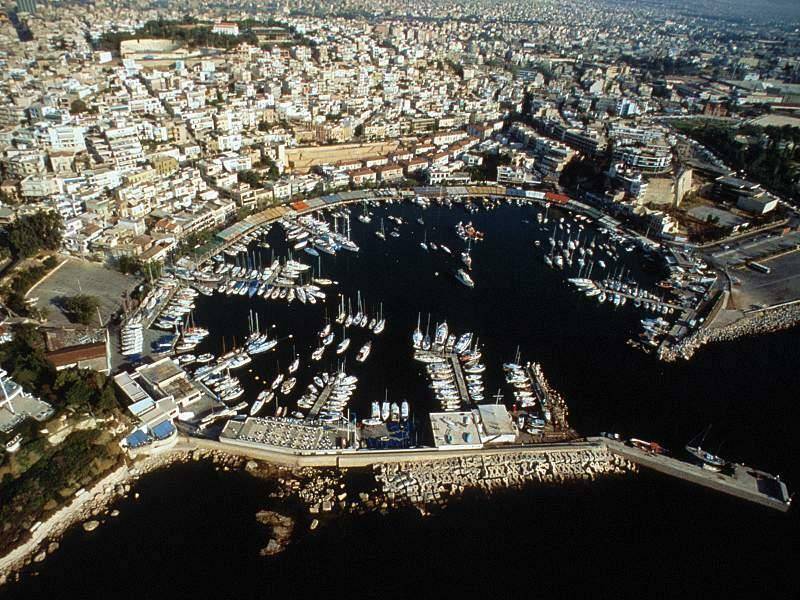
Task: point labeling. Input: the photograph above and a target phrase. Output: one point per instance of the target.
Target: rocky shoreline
(325, 492)
(768, 321)
(92, 507)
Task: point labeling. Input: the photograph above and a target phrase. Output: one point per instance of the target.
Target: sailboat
(364, 216)
(424, 243)
(381, 233)
(295, 363)
(381, 323)
(344, 344)
(416, 337)
(342, 314)
(710, 461)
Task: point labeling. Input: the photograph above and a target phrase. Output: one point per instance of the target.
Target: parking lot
(758, 248)
(753, 289)
(82, 277)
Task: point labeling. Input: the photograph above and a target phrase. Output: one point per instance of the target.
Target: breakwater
(429, 482)
(755, 323)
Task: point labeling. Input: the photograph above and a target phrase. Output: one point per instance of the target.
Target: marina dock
(461, 384)
(744, 482)
(631, 297)
(321, 400)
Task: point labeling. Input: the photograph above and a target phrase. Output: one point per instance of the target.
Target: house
(363, 176)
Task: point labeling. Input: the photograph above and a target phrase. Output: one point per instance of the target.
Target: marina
(444, 370)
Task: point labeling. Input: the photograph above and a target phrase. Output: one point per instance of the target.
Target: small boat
(463, 277)
(363, 353)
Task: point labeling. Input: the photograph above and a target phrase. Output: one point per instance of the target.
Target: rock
(272, 547)
(115, 513)
(52, 547)
(40, 557)
(251, 465)
(314, 525)
(91, 525)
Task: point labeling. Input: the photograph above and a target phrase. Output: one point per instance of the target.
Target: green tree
(81, 308)
(31, 233)
(128, 264)
(77, 107)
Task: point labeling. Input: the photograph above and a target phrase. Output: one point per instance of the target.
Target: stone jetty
(424, 483)
(755, 323)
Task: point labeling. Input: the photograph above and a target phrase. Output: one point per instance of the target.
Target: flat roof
(131, 388)
(455, 429)
(160, 371)
(497, 423)
(284, 433)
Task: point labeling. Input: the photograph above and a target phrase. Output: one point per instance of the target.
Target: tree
(77, 107)
(250, 177)
(128, 264)
(31, 233)
(81, 308)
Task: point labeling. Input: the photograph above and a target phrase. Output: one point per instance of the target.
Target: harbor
(302, 309)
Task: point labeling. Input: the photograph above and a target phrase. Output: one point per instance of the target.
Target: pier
(461, 384)
(744, 482)
(321, 400)
(659, 303)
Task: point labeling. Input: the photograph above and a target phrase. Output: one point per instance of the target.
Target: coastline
(761, 323)
(91, 507)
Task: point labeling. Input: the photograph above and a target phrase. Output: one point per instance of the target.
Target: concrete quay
(743, 483)
(349, 458)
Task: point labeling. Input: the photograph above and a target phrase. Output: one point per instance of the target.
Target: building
(78, 348)
(455, 430)
(225, 28)
(748, 196)
(496, 424)
(27, 6)
(16, 404)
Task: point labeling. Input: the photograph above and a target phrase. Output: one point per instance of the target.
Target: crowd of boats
(452, 364)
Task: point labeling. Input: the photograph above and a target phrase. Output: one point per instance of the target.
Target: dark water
(193, 534)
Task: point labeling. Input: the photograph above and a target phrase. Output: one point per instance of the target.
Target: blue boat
(311, 251)
(253, 288)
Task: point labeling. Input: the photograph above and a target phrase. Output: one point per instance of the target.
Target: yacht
(462, 276)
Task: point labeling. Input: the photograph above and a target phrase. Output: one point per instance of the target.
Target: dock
(461, 384)
(744, 482)
(321, 400)
(659, 303)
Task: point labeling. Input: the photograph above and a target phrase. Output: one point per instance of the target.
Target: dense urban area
(147, 147)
